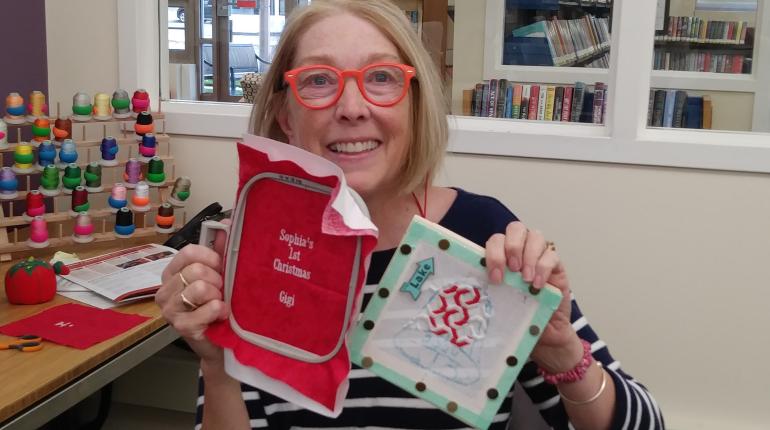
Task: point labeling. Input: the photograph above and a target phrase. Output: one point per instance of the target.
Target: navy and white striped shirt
(374, 403)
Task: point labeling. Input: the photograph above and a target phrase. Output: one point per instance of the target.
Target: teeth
(354, 147)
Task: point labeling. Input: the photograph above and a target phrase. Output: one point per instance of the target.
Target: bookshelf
(557, 33)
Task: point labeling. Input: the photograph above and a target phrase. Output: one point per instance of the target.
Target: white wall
(82, 49)
(668, 264)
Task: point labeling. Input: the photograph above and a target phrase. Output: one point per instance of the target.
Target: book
(680, 99)
(492, 101)
(566, 110)
(525, 95)
(650, 104)
(658, 107)
(707, 112)
(467, 102)
(407, 337)
(516, 108)
(557, 103)
(502, 93)
(598, 103)
(123, 276)
(534, 101)
(693, 113)
(668, 110)
(542, 97)
(550, 94)
(577, 101)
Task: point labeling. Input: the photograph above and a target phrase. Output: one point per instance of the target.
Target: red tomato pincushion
(32, 281)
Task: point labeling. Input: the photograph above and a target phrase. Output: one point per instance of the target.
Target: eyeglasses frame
(290, 77)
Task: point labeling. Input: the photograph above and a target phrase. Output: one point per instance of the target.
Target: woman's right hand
(195, 272)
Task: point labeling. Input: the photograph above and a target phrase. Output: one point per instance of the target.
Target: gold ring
(187, 303)
(184, 281)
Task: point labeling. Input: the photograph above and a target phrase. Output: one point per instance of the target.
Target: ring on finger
(548, 245)
(184, 281)
(190, 306)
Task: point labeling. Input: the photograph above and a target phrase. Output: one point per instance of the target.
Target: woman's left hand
(527, 251)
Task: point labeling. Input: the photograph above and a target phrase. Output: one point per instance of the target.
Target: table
(37, 386)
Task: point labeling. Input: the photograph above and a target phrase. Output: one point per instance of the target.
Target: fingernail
(496, 276)
(538, 282)
(526, 274)
(513, 264)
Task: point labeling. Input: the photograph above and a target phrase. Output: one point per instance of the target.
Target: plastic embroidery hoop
(234, 231)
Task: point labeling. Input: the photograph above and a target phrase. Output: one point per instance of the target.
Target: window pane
(557, 33)
(703, 49)
(176, 28)
(207, 17)
(549, 62)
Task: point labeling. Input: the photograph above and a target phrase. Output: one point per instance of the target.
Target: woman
(351, 82)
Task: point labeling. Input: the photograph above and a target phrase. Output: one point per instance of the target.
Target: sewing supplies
(102, 109)
(164, 220)
(8, 184)
(121, 104)
(36, 107)
(81, 107)
(68, 153)
(143, 125)
(79, 201)
(46, 154)
(35, 205)
(82, 231)
(71, 178)
(38, 233)
(117, 197)
(49, 181)
(140, 201)
(140, 102)
(14, 109)
(109, 149)
(147, 147)
(93, 177)
(155, 173)
(180, 192)
(133, 173)
(41, 129)
(124, 223)
(23, 159)
(62, 129)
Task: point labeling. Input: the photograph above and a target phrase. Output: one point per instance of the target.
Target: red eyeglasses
(320, 86)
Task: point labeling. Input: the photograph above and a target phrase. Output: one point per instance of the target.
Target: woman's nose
(352, 105)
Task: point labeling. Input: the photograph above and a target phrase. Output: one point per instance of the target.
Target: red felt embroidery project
(296, 265)
(74, 325)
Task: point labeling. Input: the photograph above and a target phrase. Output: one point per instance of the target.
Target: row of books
(701, 30)
(500, 98)
(554, 4)
(569, 40)
(701, 62)
(414, 17)
(675, 108)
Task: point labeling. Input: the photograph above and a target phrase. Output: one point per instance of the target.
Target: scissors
(25, 343)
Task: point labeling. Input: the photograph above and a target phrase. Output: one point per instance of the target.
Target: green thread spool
(49, 181)
(71, 178)
(155, 174)
(23, 155)
(93, 177)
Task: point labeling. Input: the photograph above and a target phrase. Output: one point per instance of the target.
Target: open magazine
(123, 276)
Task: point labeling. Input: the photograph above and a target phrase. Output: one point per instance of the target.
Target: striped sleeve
(251, 398)
(635, 408)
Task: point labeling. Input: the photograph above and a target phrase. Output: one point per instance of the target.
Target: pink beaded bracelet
(573, 375)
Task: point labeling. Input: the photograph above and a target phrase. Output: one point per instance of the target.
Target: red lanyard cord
(424, 207)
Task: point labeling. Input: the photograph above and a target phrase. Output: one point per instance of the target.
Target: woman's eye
(381, 77)
(319, 80)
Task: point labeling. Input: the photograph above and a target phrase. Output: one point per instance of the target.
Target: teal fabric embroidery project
(438, 329)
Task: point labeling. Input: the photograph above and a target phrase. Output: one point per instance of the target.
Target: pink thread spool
(38, 233)
(118, 197)
(35, 205)
(83, 230)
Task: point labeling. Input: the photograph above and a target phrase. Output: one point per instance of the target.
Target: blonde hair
(429, 111)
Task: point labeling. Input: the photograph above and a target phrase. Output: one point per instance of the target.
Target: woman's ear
(283, 122)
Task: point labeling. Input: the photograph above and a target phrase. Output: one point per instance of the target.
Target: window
(229, 51)
(710, 47)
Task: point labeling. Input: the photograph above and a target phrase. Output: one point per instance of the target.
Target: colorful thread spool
(140, 102)
(109, 149)
(79, 201)
(81, 107)
(46, 154)
(121, 104)
(38, 233)
(35, 205)
(71, 178)
(143, 125)
(41, 129)
(83, 230)
(37, 107)
(133, 173)
(124, 222)
(68, 153)
(117, 197)
(155, 174)
(147, 147)
(164, 220)
(9, 185)
(49, 181)
(180, 192)
(102, 109)
(3, 135)
(62, 129)
(93, 177)
(140, 201)
(15, 110)
(23, 158)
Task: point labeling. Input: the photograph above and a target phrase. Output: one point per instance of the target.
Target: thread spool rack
(87, 136)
